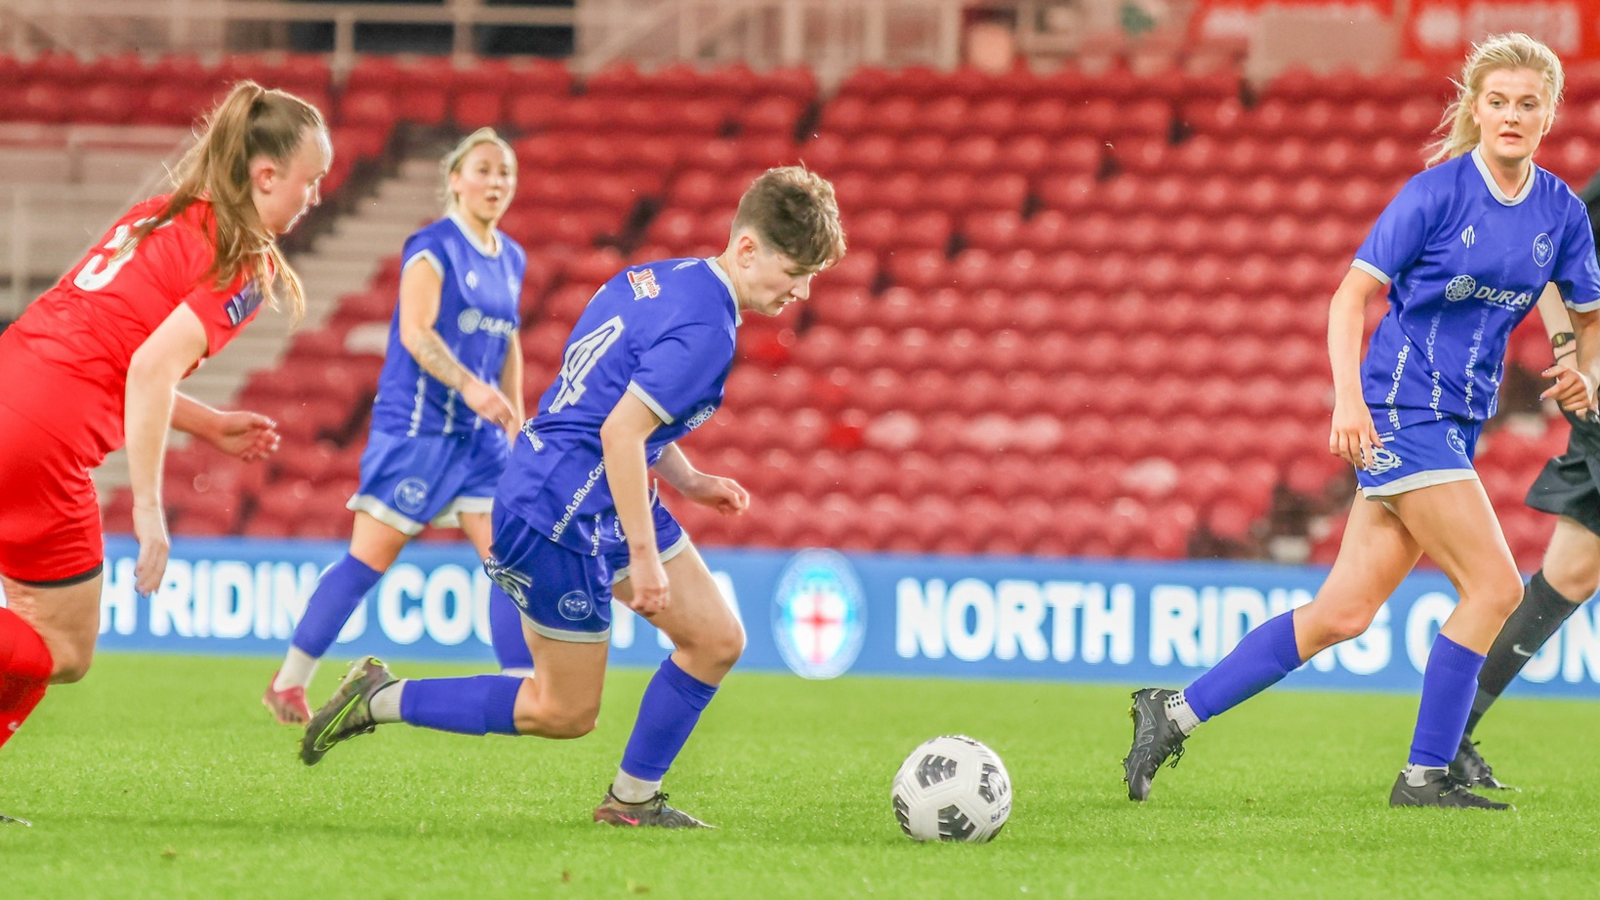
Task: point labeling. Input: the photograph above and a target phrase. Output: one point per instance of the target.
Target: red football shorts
(49, 513)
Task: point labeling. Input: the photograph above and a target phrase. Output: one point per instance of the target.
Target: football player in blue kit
(576, 522)
(1465, 249)
(449, 400)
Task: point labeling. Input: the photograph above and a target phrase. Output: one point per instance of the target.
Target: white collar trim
(466, 231)
(716, 269)
(1494, 188)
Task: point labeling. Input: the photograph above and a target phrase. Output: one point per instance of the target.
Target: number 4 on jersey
(580, 360)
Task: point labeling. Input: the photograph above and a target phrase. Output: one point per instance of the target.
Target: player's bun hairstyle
(250, 122)
(1498, 51)
(793, 209)
(452, 161)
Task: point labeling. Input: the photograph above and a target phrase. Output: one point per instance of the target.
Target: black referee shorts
(1569, 486)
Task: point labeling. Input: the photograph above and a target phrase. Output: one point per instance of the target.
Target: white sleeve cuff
(427, 255)
(647, 400)
(1370, 269)
(1590, 306)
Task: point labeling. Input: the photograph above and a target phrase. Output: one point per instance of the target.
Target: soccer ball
(952, 788)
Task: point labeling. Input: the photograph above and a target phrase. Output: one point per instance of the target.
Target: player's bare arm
(1574, 372)
(1353, 436)
(420, 287)
(153, 375)
(622, 440)
(721, 494)
(246, 435)
(511, 387)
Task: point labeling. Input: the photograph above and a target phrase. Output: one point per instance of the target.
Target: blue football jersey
(663, 332)
(478, 320)
(1465, 263)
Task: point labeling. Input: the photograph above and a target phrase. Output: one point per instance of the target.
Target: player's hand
(1354, 436)
(150, 527)
(247, 435)
(487, 401)
(649, 581)
(724, 495)
(1573, 390)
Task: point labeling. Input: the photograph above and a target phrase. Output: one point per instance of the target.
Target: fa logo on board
(644, 284)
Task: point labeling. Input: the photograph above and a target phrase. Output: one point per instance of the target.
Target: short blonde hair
(451, 163)
(1499, 51)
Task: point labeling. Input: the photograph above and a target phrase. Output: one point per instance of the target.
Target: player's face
(1513, 113)
(773, 281)
(484, 182)
(283, 192)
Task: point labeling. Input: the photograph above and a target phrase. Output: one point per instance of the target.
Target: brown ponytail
(250, 122)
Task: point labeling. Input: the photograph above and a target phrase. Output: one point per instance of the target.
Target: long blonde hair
(1499, 51)
(451, 163)
(250, 122)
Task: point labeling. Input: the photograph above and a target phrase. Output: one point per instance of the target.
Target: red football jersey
(64, 363)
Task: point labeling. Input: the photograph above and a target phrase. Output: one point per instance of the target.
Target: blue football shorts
(410, 482)
(565, 595)
(1420, 455)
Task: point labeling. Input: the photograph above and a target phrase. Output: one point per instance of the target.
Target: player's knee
(1332, 627)
(566, 725)
(70, 667)
(721, 649)
(1575, 583)
(1503, 593)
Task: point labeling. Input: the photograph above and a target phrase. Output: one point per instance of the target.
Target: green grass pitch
(162, 777)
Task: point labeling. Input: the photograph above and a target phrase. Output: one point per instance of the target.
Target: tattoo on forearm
(436, 359)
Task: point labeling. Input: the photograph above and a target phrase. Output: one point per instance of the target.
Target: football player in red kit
(94, 364)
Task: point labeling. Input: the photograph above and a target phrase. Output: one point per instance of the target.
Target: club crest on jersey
(644, 284)
(1544, 250)
(575, 606)
(410, 495)
(472, 280)
(243, 304)
(1460, 288)
(1469, 237)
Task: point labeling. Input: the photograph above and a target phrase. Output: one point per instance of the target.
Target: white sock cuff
(296, 671)
(386, 703)
(629, 789)
(1181, 714)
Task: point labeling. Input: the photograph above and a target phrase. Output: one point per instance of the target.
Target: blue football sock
(670, 709)
(330, 606)
(482, 704)
(1448, 685)
(505, 631)
(1260, 661)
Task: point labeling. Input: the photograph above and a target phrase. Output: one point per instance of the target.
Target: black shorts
(1569, 485)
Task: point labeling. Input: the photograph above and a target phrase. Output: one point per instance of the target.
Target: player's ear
(745, 247)
(262, 172)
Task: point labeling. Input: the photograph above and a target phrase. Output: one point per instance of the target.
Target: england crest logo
(819, 614)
